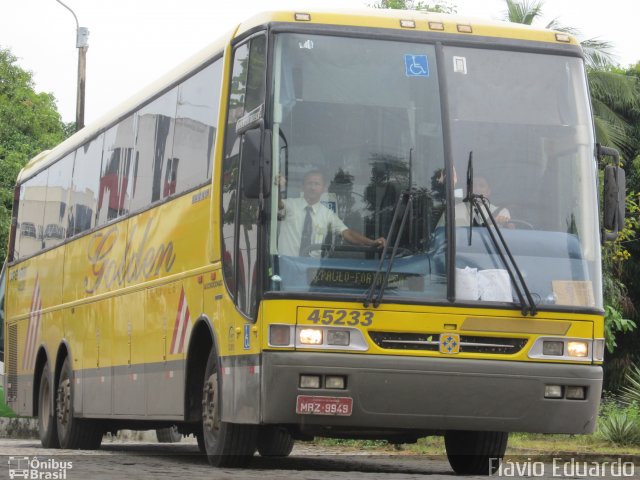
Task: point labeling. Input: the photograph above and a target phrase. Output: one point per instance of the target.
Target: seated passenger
(481, 186)
(500, 214)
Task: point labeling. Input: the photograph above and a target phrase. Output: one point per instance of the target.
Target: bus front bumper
(431, 394)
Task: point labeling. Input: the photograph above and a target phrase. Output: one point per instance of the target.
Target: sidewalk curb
(18, 427)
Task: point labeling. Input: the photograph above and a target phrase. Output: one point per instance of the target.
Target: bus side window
(56, 208)
(29, 236)
(153, 150)
(85, 187)
(117, 153)
(195, 130)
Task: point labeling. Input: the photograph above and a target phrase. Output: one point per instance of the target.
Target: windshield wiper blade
(476, 203)
(528, 308)
(404, 198)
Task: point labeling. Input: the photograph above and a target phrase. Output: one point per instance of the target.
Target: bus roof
(366, 18)
(391, 19)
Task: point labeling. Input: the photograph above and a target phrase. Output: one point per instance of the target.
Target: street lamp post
(82, 44)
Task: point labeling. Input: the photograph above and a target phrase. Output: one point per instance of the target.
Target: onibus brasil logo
(40, 469)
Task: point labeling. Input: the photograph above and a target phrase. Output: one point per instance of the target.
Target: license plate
(310, 405)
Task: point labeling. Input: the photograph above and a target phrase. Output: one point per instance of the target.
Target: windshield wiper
(477, 202)
(405, 198)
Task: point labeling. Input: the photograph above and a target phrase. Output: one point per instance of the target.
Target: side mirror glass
(255, 161)
(614, 200)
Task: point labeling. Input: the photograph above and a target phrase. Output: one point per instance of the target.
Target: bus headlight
(553, 348)
(280, 335)
(567, 349)
(338, 337)
(330, 338)
(311, 336)
(577, 349)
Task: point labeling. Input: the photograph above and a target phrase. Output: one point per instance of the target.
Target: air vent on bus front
(431, 342)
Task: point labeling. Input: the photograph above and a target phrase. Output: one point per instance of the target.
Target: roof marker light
(407, 24)
(465, 28)
(436, 25)
(302, 17)
(563, 37)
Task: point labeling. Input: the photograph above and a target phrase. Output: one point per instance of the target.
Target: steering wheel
(328, 248)
(400, 252)
(519, 224)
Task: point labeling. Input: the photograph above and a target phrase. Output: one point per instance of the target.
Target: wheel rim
(64, 402)
(210, 413)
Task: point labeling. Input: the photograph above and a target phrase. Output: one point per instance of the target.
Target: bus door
(240, 235)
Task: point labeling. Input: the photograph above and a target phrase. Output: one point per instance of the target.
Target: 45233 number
(341, 317)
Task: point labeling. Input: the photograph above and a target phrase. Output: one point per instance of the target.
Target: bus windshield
(358, 123)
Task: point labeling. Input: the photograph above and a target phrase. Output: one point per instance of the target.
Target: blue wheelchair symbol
(247, 336)
(416, 65)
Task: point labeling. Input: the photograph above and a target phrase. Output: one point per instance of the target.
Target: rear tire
(168, 435)
(475, 453)
(73, 433)
(274, 441)
(47, 411)
(200, 439)
(226, 444)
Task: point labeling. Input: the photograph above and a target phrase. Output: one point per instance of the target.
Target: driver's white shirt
(292, 221)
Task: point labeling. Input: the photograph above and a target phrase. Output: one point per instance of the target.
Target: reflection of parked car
(53, 230)
(28, 229)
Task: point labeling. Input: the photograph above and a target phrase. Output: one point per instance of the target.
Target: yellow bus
(377, 224)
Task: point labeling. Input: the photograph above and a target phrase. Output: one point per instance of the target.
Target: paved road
(139, 460)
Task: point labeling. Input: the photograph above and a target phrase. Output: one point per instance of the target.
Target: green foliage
(614, 324)
(29, 123)
(631, 391)
(616, 102)
(620, 428)
(618, 424)
(523, 11)
(437, 6)
(5, 411)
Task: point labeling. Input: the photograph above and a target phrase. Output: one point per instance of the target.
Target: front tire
(274, 441)
(73, 433)
(475, 453)
(226, 444)
(47, 411)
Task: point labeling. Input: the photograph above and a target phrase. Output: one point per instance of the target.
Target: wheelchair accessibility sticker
(247, 336)
(416, 65)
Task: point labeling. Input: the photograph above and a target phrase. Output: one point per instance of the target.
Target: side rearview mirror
(255, 161)
(614, 196)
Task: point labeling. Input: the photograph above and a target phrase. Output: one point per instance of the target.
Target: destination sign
(333, 277)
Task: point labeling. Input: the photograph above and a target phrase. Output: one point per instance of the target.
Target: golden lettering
(138, 262)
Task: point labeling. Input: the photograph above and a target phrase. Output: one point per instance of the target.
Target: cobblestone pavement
(139, 460)
(143, 460)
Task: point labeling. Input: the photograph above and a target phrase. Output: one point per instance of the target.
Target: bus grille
(431, 342)
(12, 363)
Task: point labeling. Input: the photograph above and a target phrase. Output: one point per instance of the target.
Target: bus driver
(305, 221)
